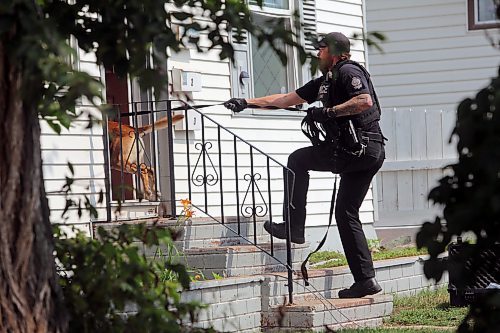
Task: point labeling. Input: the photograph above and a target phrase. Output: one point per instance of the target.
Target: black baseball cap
(336, 42)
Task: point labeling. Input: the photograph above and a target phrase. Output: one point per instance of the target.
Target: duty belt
(372, 136)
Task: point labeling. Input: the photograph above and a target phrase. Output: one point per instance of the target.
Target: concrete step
(206, 232)
(334, 313)
(211, 247)
(402, 276)
(242, 260)
(200, 233)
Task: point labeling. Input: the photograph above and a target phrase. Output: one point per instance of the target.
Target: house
(221, 171)
(437, 54)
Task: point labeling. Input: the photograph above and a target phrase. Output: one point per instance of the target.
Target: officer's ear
(345, 56)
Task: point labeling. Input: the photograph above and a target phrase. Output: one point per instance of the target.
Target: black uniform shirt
(351, 81)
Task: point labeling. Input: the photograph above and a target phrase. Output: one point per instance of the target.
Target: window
(257, 71)
(268, 74)
(482, 14)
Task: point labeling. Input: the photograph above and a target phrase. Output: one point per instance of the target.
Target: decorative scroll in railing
(224, 176)
(253, 209)
(206, 177)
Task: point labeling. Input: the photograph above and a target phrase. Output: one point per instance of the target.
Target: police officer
(352, 147)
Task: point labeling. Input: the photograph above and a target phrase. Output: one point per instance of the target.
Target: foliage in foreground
(470, 194)
(104, 278)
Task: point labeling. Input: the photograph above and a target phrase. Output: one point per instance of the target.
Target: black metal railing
(208, 164)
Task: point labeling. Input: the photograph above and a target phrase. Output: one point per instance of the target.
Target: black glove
(236, 104)
(317, 114)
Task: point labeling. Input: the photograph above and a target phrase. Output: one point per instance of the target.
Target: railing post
(204, 153)
(122, 163)
(288, 235)
(153, 144)
(140, 194)
(270, 203)
(237, 187)
(252, 179)
(186, 122)
(171, 159)
(220, 172)
(107, 173)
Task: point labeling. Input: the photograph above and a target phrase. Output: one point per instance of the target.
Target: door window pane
(269, 74)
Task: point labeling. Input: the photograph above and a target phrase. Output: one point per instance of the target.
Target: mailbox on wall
(193, 119)
(185, 81)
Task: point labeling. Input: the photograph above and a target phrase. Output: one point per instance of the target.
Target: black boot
(361, 288)
(279, 231)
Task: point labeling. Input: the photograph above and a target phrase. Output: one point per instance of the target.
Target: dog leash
(303, 267)
(251, 106)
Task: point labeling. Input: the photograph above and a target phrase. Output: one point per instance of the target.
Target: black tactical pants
(356, 174)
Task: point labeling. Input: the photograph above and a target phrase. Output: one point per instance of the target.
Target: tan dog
(129, 151)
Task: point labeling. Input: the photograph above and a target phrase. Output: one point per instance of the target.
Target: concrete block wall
(233, 304)
(405, 276)
(247, 304)
(240, 260)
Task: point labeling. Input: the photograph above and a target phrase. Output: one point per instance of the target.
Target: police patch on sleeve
(356, 83)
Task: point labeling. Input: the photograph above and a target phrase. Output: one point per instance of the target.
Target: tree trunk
(30, 297)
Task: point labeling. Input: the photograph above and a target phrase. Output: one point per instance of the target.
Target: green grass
(430, 308)
(336, 259)
(395, 330)
(332, 256)
(426, 312)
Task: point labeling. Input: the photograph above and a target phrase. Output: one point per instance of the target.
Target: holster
(351, 139)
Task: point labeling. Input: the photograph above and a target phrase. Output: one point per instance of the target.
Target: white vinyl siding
(431, 60)
(345, 17)
(84, 149)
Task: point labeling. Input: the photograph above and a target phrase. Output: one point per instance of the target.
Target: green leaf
(69, 203)
(55, 127)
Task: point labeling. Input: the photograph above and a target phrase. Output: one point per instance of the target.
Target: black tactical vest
(337, 133)
(329, 86)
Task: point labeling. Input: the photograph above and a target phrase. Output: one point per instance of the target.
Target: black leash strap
(252, 106)
(187, 106)
(303, 268)
(312, 131)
